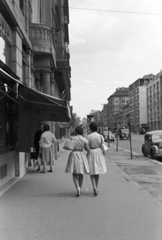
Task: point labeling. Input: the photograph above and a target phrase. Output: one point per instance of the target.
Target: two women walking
(94, 163)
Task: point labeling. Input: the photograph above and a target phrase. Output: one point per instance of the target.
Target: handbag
(69, 145)
(104, 147)
(33, 155)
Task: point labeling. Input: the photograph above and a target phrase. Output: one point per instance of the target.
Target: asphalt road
(137, 141)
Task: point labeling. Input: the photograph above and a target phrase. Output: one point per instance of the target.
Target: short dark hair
(46, 127)
(93, 126)
(79, 130)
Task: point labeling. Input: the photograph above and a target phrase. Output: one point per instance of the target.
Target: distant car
(109, 135)
(124, 133)
(152, 146)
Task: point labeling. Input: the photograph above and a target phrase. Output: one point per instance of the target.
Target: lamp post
(108, 132)
(130, 136)
(117, 136)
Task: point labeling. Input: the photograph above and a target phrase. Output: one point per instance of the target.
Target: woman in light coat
(47, 138)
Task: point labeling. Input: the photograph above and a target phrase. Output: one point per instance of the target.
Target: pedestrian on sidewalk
(77, 163)
(96, 159)
(47, 138)
(37, 137)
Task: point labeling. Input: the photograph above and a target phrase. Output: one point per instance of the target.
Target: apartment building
(115, 104)
(34, 77)
(154, 102)
(137, 103)
(122, 117)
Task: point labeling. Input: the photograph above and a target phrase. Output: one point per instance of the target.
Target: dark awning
(64, 124)
(33, 108)
(6, 71)
(51, 108)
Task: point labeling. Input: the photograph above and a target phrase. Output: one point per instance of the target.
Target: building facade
(137, 103)
(115, 104)
(154, 102)
(122, 117)
(35, 59)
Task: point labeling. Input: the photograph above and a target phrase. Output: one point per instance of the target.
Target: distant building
(137, 103)
(115, 104)
(154, 102)
(122, 117)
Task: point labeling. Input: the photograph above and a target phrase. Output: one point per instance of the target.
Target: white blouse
(95, 140)
(46, 140)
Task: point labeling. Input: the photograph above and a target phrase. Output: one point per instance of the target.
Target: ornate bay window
(38, 14)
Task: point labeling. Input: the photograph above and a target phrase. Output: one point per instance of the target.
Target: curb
(136, 154)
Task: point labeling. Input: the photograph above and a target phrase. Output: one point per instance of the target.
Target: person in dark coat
(37, 138)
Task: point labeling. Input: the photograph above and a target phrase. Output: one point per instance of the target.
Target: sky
(111, 48)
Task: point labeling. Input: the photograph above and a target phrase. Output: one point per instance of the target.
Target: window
(38, 7)
(116, 101)
(116, 108)
(123, 100)
(154, 87)
(150, 89)
(22, 7)
(5, 52)
(7, 134)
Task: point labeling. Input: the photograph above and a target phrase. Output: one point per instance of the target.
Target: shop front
(22, 109)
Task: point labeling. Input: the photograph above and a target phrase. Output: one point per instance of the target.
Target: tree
(75, 121)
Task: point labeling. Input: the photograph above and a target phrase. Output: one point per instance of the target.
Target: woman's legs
(50, 164)
(93, 181)
(76, 182)
(44, 166)
(97, 180)
(80, 180)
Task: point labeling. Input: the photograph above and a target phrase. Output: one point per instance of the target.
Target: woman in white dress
(96, 159)
(77, 163)
(46, 140)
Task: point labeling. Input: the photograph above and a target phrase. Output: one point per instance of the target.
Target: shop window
(7, 134)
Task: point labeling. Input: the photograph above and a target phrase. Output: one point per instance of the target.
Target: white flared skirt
(96, 161)
(77, 163)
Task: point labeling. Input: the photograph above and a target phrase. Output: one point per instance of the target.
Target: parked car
(124, 133)
(152, 146)
(109, 135)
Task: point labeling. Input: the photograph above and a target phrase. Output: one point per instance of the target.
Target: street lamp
(107, 126)
(108, 132)
(130, 136)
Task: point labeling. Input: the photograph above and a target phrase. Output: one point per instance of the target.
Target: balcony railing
(41, 38)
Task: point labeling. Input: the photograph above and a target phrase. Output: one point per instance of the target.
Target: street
(137, 141)
(44, 206)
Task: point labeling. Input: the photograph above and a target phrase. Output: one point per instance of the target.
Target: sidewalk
(142, 172)
(44, 207)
